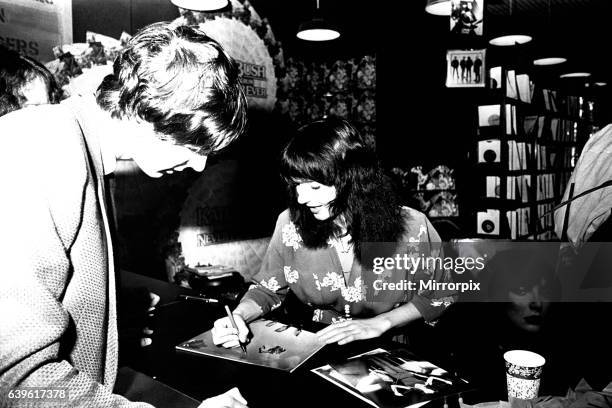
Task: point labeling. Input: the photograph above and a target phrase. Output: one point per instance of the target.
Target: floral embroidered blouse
(317, 279)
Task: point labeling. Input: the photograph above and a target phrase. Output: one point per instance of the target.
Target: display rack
(528, 141)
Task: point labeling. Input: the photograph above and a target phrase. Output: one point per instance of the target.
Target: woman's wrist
(399, 316)
(383, 323)
(248, 310)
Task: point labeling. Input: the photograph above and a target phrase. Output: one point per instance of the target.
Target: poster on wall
(249, 39)
(34, 27)
(256, 66)
(466, 17)
(465, 68)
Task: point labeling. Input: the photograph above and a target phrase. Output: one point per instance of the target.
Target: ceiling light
(317, 29)
(510, 40)
(201, 5)
(549, 48)
(504, 32)
(597, 84)
(438, 7)
(549, 61)
(575, 75)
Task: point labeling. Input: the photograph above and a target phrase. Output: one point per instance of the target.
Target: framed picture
(466, 17)
(465, 69)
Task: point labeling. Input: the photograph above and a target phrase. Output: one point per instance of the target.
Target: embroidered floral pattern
(342, 245)
(333, 279)
(432, 323)
(414, 242)
(413, 246)
(445, 301)
(271, 285)
(291, 276)
(276, 306)
(422, 231)
(317, 315)
(291, 238)
(353, 293)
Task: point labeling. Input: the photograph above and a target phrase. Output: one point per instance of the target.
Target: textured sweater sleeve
(36, 331)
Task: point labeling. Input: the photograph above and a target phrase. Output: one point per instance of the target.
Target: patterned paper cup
(523, 372)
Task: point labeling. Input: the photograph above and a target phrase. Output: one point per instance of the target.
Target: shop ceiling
(540, 7)
(578, 28)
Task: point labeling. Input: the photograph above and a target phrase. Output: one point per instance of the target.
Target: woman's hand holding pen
(224, 334)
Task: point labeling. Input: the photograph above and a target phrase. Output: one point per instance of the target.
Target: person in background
(455, 68)
(523, 285)
(468, 69)
(339, 199)
(516, 311)
(173, 98)
(24, 82)
(477, 69)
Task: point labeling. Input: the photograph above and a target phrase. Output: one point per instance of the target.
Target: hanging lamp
(201, 5)
(438, 7)
(575, 74)
(506, 34)
(317, 29)
(550, 54)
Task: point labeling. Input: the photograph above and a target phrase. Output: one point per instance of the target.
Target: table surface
(201, 377)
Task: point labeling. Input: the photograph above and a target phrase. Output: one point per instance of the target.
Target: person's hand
(229, 399)
(224, 334)
(146, 340)
(350, 330)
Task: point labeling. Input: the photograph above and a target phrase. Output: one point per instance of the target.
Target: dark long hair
(332, 152)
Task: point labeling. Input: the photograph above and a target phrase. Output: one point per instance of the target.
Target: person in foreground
(173, 98)
(339, 200)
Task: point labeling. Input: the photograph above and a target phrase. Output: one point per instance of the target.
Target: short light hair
(182, 82)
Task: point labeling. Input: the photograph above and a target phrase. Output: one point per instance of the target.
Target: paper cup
(523, 372)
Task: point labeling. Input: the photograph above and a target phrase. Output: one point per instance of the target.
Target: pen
(201, 299)
(235, 326)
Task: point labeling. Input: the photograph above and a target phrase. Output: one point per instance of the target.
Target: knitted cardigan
(58, 325)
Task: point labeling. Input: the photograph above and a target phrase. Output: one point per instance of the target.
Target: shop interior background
(417, 120)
